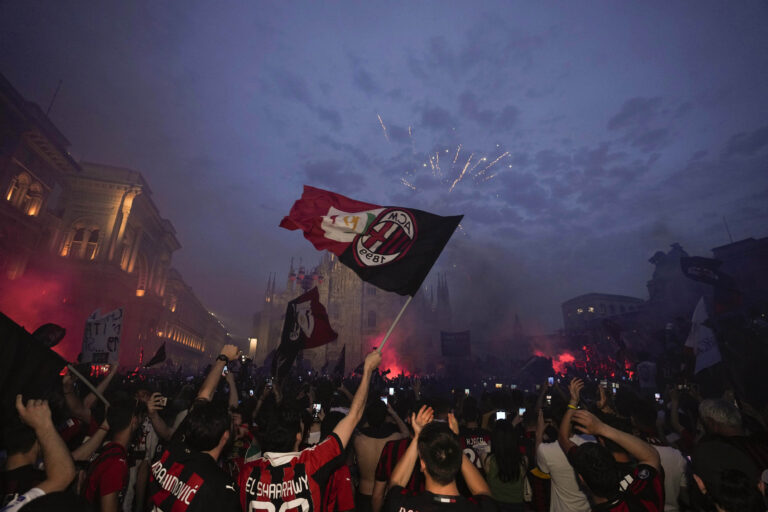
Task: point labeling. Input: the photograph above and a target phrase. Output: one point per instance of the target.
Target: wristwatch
(222, 357)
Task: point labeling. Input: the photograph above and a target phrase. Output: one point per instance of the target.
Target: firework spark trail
(492, 164)
(407, 184)
(463, 172)
(461, 228)
(489, 178)
(458, 148)
(383, 127)
(437, 163)
(476, 164)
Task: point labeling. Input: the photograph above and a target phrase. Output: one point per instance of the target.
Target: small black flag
(341, 363)
(159, 357)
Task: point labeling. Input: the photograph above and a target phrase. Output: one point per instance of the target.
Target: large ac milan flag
(306, 326)
(389, 246)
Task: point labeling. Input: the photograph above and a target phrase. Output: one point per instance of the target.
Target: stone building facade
(361, 314)
(76, 237)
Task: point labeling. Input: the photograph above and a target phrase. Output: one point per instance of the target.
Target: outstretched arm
(234, 399)
(346, 426)
(59, 468)
(475, 481)
(212, 379)
(404, 467)
(636, 447)
(73, 401)
(85, 450)
(564, 437)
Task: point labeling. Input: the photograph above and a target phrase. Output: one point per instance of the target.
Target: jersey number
(285, 507)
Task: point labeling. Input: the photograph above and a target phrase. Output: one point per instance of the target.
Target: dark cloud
(437, 118)
(291, 86)
(398, 134)
(487, 118)
(747, 144)
(362, 78)
(650, 140)
(332, 174)
(332, 117)
(635, 111)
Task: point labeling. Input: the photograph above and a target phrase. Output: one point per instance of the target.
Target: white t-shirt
(23, 499)
(566, 495)
(674, 465)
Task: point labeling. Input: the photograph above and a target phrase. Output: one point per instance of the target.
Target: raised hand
(36, 413)
(575, 388)
(231, 351)
(419, 420)
(372, 361)
(154, 403)
(453, 424)
(587, 422)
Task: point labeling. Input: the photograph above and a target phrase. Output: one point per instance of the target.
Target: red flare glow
(559, 361)
(390, 360)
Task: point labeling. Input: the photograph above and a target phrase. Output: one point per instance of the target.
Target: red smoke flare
(390, 359)
(559, 361)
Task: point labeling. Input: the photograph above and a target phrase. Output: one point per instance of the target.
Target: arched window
(77, 243)
(92, 245)
(126, 247)
(18, 188)
(371, 319)
(33, 200)
(143, 271)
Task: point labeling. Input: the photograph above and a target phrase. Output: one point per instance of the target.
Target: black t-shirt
(183, 479)
(401, 499)
(16, 482)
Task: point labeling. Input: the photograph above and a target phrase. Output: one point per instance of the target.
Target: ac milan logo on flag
(387, 238)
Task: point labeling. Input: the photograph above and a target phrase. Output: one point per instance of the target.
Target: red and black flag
(306, 326)
(389, 246)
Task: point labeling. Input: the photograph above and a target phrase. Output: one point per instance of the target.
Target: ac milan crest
(387, 238)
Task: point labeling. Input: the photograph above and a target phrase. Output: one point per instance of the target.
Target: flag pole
(87, 383)
(397, 319)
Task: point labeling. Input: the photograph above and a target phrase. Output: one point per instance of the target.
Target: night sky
(619, 128)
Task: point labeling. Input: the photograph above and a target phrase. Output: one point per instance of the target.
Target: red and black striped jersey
(283, 482)
(393, 451)
(183, 480)
(339, 493)
(641, 490)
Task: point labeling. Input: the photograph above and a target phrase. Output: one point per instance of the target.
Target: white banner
(101, 340)
(702, 340)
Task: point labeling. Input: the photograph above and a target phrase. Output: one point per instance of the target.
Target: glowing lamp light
(139, 293)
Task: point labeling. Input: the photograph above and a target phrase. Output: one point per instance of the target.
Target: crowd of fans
(228, 441)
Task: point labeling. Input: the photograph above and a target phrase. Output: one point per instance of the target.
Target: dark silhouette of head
(596, 468)
(440, 452)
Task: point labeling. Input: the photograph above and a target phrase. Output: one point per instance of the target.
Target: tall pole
(55, 93)
(397, 319)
